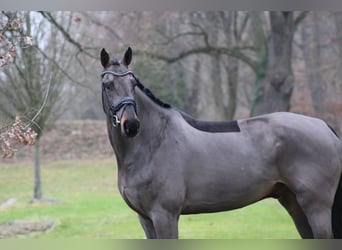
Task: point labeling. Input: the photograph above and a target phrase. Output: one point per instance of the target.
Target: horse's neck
(116, 140)
(153, 121)
(149, 113)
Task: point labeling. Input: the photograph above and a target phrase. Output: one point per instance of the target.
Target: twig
(235, 52)
(66, 35)
(32, 121)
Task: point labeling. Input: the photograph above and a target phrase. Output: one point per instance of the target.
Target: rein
(127, 100)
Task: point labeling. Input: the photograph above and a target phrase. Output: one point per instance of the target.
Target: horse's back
(290, 126)
(304, 131)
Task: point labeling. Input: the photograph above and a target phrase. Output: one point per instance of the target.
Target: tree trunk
(311, 51)
(215, 106)
(231, 65)
(338, 24)
(37, 193)
(233, 77)
(260, 42)
(192, 93)
(216, 84)
(274, 91)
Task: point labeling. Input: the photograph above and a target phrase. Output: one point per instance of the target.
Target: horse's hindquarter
(306, 141)
(310, 152)
(306, 156)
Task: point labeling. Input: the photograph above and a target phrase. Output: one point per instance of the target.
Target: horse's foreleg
(148, 227)
(165, 224)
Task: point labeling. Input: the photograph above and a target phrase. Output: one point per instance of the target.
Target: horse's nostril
(131, 127)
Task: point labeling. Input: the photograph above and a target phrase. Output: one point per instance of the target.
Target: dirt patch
(19, 228)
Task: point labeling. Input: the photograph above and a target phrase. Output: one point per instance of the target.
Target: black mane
(147, 92)
(152, 96)
(207, 126)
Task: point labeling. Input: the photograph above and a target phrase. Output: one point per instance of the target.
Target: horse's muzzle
(129, 122)
(131, 127)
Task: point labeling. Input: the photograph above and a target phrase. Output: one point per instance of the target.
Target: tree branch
(101, 24)
(61, 69)
(66, 35)
(243, 27)
(234, 52)
(180, 35)
(32, 121)
(203, 32)
(300, 17)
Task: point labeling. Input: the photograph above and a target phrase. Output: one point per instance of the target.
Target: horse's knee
(148, 227)
(165, 225)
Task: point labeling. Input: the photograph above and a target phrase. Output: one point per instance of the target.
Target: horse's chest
(136, 200)
(135, 193)
(130, 198)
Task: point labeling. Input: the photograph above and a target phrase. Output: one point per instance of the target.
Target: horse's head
(118, 85)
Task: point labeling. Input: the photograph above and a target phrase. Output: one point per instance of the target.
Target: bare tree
(11, 36)
(10, 39)
(184, 78)
(275, 87)
(271, 60)
(192, 50)
(234, 24)
(36, 72)
(201, 41)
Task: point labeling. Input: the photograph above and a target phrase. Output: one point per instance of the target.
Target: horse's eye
(107, 85)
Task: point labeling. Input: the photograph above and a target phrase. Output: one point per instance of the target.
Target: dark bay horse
(171, 164)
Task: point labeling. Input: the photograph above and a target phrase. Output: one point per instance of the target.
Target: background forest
(215, 65)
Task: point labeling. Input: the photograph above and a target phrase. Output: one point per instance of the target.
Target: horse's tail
(336, 213)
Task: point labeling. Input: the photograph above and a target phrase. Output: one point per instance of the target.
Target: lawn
(83, 201)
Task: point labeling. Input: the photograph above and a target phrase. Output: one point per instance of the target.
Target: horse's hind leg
(319, 217)
(316, 206)
(148, 227)
(289, 201)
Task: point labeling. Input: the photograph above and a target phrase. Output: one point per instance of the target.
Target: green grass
(90, 207)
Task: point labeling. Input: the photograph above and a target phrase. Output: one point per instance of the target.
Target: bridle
(127, 100)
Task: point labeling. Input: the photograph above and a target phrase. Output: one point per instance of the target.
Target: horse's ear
(127, 57)
(104, 58)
